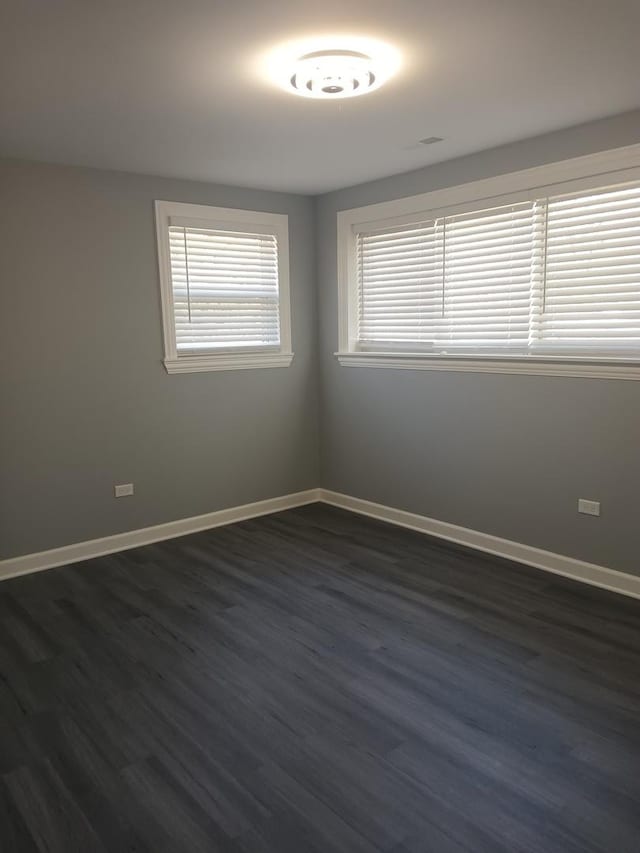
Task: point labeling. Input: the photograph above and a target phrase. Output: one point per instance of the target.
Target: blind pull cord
(544, 255)
(186, 266)
(444, 261)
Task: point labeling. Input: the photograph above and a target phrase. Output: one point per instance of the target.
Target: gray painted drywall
(506, 455)
(85, 399)
(86, 402)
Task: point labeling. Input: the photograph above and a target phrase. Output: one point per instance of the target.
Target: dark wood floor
(313, 682)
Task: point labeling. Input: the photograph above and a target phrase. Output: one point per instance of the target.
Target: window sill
(530, 365)
(227, 361)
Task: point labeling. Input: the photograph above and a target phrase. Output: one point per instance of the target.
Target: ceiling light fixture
(331, 68)
(333, 74)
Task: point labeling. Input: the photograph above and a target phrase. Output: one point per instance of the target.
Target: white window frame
(202, 215)
(581, 173)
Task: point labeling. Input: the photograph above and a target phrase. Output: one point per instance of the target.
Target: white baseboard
(557, 563)
(548, 561)
(146, 535)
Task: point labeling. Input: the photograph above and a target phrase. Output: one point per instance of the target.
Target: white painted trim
(228, 361)
(231, 218)
(472, 364)
(145, 536)
(616, 160)
(546, 560)
(617, 165)
(558, 564)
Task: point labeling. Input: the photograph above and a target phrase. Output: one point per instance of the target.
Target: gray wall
(86, 402)
(507, 455)
(85, 399)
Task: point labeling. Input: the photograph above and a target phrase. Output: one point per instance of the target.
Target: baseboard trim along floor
(559, 564)
(146, 535)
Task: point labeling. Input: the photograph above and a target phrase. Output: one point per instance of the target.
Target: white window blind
(400, 284)
(225, 289)
(487, 271)
(592, 292)
(558, 273)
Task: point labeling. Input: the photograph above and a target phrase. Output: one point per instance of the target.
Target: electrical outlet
(123, 490)
(588, 507)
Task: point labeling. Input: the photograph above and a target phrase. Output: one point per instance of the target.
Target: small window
(224, 277)
(523, 282)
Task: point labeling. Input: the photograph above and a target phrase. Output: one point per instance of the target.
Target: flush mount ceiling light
(332, 67)
(333, 74)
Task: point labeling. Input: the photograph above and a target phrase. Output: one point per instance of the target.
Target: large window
(225, 287)
(541, 277)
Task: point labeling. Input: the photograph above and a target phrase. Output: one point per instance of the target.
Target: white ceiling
(173, 88)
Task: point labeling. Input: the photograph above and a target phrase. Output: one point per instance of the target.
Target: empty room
(320, 426)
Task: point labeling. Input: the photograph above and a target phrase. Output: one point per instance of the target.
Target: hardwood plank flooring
(316, 682)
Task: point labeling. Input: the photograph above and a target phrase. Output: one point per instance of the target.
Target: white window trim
(587, 172)
(275, 223)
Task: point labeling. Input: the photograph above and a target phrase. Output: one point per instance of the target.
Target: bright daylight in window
(225, 288)
(553, 277)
